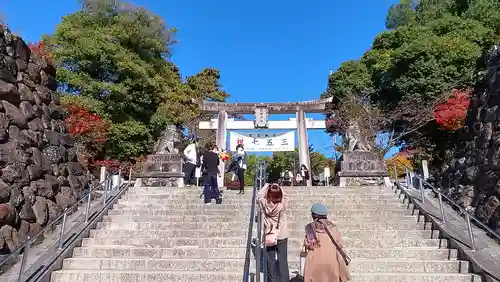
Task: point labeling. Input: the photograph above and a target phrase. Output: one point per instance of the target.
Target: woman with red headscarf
(273, 204)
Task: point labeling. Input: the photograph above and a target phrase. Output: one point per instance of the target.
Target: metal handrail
(106, 184)
(246, 267)
(45, 270)
(260, 229)
(441, 195)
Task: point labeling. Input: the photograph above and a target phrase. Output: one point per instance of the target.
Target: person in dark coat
(210, 168)
(241, 160)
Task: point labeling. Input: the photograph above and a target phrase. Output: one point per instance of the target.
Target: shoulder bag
(346, 258)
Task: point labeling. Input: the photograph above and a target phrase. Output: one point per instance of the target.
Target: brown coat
(325, 264)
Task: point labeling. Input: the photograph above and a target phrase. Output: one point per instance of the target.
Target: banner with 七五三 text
(263, 142)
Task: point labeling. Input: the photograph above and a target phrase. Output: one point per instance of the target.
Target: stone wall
(473, 175)
(40, 175)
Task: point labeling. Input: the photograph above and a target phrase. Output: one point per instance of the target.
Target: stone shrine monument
(359, 166)
(164, 167)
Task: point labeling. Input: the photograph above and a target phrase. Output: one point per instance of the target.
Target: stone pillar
(303, 144)
(425, 169)
(221, 142)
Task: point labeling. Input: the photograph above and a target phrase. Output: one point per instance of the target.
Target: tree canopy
(113, 61)
(430, 48)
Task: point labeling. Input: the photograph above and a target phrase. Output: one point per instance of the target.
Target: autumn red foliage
(112, 166)
(82, 124)
(450, 115)
(89, 132)
(41, 48)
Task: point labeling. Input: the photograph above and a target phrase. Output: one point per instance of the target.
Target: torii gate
(261, 112)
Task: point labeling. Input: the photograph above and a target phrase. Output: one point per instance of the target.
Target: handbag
(346, 258)
(271, 238)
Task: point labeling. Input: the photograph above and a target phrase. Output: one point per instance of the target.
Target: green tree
(282, 161)
(400, 14)
(432, 47)
(115, 58)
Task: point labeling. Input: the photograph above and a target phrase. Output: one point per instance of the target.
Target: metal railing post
(407, 177)
(441, 206)
(469, 229)
(63, 227)
(89, 199)
(130, 175)
(258, 248)
(119, 184)
(20, 277)
(422, 191)
(106, 184)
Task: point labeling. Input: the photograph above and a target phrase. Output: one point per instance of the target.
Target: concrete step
(201, 206)
(287, 189)
(343, 224)
(414, 277)
(224, 217)
(298, 197)
(292, 202)
(241, 242)
(215, 210)
(248, 196)
(234, 253)
(217, 276)
(360, 234)
(226, 265)
(296, 218)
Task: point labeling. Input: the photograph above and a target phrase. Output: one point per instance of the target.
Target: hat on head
(319, 209)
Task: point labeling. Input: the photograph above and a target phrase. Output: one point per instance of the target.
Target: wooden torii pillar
(298, 108)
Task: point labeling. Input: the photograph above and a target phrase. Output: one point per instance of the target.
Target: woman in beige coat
(325, 262)
(273, 203)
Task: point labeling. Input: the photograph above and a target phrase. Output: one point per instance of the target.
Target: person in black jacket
(210, 168)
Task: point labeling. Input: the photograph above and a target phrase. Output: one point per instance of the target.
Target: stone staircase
(386, 243)
(167, 234)
(164, 234)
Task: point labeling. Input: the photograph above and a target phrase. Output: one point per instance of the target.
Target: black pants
(241, 178)
(189, 170)
(211, 189)
(277, 270)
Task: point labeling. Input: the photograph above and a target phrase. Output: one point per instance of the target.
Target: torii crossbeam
(298, 108)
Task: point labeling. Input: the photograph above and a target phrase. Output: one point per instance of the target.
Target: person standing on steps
(298, 180)
(191, 156)
(210, 168)
(273, 204)
(304, 172)
(241, 159)
(325, 260)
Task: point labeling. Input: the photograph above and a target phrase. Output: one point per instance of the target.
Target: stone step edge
(382, 223)
(345, 239)
(243, 248)
(381, 260)
(289, 229)
(389, 209)
(185, 272)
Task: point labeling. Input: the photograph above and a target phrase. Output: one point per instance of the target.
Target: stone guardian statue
(356, 141)
(165, 144)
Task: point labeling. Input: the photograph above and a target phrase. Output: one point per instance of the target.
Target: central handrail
(255, 210)
(246, 267)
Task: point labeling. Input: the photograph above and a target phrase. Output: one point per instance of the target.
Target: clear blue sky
(267, 51)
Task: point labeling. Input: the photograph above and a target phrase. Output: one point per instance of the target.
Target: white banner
(263, 142)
